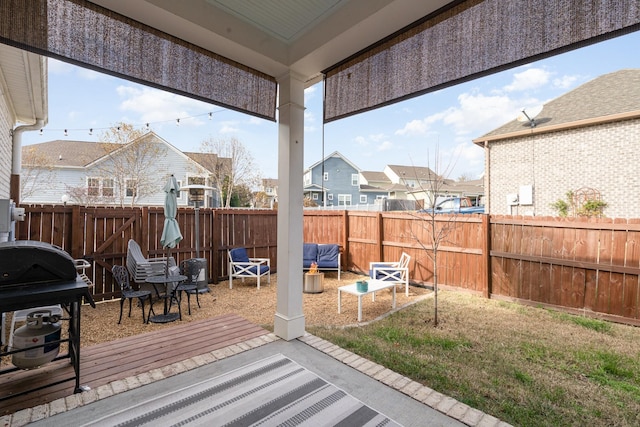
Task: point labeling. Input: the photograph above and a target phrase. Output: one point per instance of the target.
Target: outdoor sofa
(326, 256)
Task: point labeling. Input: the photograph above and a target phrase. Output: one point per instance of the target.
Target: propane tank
(41, 328)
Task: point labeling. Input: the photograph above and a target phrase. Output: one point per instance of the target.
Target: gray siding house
(334, 180)
(585, 141)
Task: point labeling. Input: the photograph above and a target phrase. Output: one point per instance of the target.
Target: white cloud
(414, 127)
(155, 106)
(386, 145)
(377, 137)
(531, 78)
(566, 82)
(361, 140)
(229, 127)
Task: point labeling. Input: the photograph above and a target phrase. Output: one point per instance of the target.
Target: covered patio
(258, 57)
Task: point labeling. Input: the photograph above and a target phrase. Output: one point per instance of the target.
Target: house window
(130, 187)
(326, 176)
(354, 179)
(107, 187)
(363, 199)
(93, 186)
(329, 196)
(314, 196)
(344, 199)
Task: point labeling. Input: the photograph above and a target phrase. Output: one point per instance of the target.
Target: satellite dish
(529, 116)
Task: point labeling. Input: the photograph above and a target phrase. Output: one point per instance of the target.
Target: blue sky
(412, 132)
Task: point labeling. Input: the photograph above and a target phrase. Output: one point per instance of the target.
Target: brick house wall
(605, 157)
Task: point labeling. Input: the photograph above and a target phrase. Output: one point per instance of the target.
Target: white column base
(288, 328)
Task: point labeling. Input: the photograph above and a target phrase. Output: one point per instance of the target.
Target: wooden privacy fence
(587, 266)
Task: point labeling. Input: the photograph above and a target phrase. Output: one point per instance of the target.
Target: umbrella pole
(166, 264)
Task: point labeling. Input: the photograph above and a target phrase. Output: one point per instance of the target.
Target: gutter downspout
(16, 166)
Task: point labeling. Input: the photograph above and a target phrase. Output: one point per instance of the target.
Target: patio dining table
(169, 296)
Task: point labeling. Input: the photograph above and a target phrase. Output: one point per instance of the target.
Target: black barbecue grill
(35, 274)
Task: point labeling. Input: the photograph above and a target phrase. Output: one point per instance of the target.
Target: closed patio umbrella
(171, 234)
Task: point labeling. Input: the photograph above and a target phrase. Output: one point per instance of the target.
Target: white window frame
(127, 187)
(344, 199)
(93, 190)
(314, 196)
(326, 176)
(330, 196)
(112, 187)
(363, 199)
(355, 180)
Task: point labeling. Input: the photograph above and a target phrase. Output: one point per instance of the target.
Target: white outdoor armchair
(392, 271)
(240, 265)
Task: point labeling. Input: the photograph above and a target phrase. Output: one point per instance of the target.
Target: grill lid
(25, 262)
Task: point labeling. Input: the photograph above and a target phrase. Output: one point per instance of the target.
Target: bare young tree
(35, 168)
(234, 170)
(434, 228)
(130, 159)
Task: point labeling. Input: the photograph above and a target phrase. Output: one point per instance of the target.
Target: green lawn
(527, 366)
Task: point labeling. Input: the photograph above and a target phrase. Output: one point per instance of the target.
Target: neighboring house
(94, 173)
(396, 188)
(269, 188)
(334, 178)
(472, 189)
(584, 140)
(23, 107)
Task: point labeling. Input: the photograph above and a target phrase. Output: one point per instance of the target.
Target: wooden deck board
(103, 363)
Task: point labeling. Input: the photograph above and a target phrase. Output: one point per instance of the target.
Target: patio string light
(146, 125)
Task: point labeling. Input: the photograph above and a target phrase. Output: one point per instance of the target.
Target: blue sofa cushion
(309, 254)
(328, 256)
(239, 255)
(392, 276)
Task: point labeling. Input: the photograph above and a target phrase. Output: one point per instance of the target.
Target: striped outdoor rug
(272, 392)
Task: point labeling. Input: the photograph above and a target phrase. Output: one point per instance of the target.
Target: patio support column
(289, 319)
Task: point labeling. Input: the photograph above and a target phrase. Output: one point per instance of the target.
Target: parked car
(455, 205)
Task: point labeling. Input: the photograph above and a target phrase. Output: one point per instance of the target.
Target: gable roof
(610, 97)
(334, 154)
(59, 153)
(63, 153)
(413, 172)
(375, 176)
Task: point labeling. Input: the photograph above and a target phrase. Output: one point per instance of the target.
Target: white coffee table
(374, 286)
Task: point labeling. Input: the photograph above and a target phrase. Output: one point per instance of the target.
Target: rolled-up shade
(466, 40)
(88, 35)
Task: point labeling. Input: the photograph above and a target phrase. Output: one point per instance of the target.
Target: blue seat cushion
(239, 255)
(309, 254)
(380, 276)
(328, 256)
(263, 270)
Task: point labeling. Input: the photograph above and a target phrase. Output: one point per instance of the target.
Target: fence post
(486, 255)
(215, 247)
(345, 244)
(143, 230)
(380, 238)
(77, 233)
